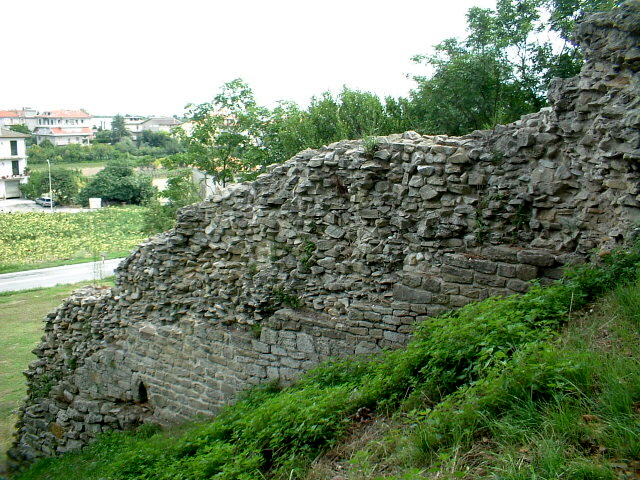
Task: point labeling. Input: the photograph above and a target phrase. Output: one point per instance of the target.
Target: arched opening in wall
(141, 395)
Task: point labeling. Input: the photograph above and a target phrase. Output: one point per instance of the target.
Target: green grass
(40, 167)
(524, 387)
(38, 239)
(21, 316)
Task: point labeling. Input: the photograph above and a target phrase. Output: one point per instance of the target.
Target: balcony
(14, 177)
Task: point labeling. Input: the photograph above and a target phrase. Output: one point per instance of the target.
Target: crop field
(40, 239)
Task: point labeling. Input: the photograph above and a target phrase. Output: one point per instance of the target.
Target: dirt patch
(90, 171)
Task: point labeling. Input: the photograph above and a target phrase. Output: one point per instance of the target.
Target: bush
(65, 184)
(118, 183)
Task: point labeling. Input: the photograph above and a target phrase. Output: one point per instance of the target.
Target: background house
(13, 162)
(25, 116)
(133, 123)
(101, 123)
(63, 127)
(160, 124)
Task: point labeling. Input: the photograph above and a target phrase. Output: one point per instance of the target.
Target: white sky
(155, 56)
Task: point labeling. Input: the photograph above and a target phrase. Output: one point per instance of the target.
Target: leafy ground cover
(40, 239)
(21, 315)
(540, 385)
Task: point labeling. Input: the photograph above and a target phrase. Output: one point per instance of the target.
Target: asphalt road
(49, 277)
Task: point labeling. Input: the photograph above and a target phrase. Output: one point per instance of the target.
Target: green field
(21, 315)
(38, 239)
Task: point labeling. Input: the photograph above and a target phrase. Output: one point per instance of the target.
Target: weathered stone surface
(335, 252)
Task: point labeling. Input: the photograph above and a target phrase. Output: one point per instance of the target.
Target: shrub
(118, 183)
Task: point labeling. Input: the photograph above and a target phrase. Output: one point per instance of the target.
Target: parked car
(46, 202)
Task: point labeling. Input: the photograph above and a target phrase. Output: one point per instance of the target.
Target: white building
(13, 162)
(133, 123)
(101, 123)
(63, 127)
(160, 124)
(25, 116)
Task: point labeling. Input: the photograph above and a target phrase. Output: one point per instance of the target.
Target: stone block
(483, 266)
(507, 270)
(395, 337)
(536, 257)
(456, 275)
(517, 285)
(402, 293)
(501, 254)
(489, 280)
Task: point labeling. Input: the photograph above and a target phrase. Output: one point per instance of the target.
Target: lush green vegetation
(527, 386)
(118, 183)
(495, 75)
(21, 315)
(36, 239)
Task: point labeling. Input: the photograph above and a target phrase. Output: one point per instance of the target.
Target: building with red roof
(64, 127)
(25, 116)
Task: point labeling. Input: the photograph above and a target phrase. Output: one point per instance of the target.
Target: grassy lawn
(38, 239)
(21, 315)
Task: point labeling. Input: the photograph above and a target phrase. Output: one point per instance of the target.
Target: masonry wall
(339, 251)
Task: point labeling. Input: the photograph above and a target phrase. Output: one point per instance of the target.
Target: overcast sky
(155, 56)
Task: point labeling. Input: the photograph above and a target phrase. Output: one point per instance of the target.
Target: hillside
(540, 385)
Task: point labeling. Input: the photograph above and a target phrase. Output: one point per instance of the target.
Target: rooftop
(6, 133)
(65, 114)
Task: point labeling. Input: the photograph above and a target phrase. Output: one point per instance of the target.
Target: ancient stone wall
(340, 250)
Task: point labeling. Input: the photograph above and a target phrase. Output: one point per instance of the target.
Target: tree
(164, 143)
(118, 183)
(361, 114)
(487, 79)
(180, 191)
(288, 131)
(225, 138)
(102, 136)
(118, 129)
(65, 183)
(502, 69)
(563, 15)
(325, 119)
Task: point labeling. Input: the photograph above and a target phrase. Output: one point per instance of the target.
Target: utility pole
(50, 188)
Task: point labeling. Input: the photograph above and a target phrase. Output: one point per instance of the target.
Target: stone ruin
(339, 251)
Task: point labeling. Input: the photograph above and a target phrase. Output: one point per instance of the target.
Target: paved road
(23, 205)
(49, 277)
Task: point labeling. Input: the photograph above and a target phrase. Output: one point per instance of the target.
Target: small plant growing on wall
(306, 254)
(287, 299)
(370, 145)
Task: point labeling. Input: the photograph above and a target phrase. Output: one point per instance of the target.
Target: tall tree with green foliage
(288, 131)
(118, 129)
(502, 69)
(225, 137)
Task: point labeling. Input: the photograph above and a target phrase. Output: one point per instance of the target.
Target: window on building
(15, 167)
(14, 148)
